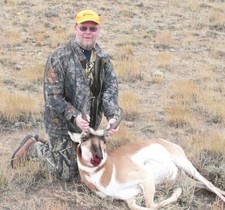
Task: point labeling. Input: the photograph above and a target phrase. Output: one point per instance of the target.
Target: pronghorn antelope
(139, 166)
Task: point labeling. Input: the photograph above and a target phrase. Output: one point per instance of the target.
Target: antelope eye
(84, 138)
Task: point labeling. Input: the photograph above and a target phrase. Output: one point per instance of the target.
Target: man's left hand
(112, 131)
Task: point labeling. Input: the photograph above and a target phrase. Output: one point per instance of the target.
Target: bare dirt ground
(172, 43)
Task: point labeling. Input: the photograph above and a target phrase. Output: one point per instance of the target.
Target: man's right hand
(81, 123)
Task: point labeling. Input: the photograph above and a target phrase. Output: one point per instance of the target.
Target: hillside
(170, 60)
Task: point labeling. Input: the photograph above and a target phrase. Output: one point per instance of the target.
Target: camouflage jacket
(66, 85)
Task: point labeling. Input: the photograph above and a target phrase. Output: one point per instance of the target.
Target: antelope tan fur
(134, 168)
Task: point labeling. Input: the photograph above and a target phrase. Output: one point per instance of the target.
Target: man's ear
(75, 27)
(75, 137)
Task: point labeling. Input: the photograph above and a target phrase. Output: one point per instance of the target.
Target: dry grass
(58, 36)
(165, 59)
(180, 117)
(17, 104)
(164, 38)
(10, 3)
(130, 103)
(190, 102)
(14, 36)
(32, 75)
(217, 15)
(128, 68)
(177, 107)
(218, 205)
(194, 5)
(123, 137)
(213, 142)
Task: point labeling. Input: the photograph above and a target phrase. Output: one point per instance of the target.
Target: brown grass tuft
(32, 75)
(18, 104)
(189, 100)
(193, 4)
(130, 103)
(213, 142)
(123, 137)
(164, 59)
(177, 107)
(218, 205)
(14, 36)
(217, 16)
(128, 67)
(164, 38)
(10, 3)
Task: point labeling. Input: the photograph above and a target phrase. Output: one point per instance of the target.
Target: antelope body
(133, 168)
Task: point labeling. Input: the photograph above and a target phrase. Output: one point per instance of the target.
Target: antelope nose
(99, 156)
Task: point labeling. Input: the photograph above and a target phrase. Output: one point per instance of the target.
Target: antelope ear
(75, 137)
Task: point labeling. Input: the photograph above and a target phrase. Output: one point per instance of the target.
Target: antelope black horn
(84, 108)
(116, 123)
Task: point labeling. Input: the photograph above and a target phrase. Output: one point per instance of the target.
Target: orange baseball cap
(87, 15)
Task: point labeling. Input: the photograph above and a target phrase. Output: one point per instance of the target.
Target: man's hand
(81, 123)
(112, 131)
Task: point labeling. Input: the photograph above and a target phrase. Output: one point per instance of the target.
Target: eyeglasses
(85, 28)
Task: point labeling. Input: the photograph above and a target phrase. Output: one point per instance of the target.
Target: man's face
(87, 34)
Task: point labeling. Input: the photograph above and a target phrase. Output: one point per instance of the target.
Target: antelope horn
(115, 124)
(112, 126)
(84, 108)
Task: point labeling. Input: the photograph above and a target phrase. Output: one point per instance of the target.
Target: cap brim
(88, 19)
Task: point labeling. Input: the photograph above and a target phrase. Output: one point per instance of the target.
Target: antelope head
(91, 148)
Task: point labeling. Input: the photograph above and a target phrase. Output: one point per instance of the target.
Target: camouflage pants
(59, 155)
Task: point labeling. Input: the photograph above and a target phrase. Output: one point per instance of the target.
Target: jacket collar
(99, 52)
